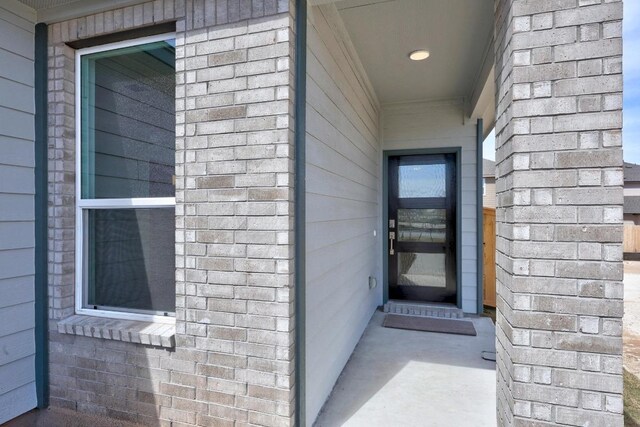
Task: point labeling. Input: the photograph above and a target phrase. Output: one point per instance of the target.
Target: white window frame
(82, 205)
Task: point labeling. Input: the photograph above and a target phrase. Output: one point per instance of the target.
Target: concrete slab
(409, 378)
(631, 320)
(59, 417)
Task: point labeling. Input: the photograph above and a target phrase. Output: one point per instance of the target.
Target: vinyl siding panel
(437, 125)
(17, 371)
(343, 206)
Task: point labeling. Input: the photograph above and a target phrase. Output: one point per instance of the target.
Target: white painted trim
(349, 50)
(127, 315)
(121, 44)
(484, 106)
(79, 275)
(81, 205)
(139, 202)
(484, 74)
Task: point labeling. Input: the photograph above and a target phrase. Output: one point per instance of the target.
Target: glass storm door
(422, 234)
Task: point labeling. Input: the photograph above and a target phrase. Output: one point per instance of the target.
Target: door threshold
(425, 303)
(425, 309)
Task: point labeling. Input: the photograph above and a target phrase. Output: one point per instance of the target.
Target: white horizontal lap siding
(17, 317)
(441, 124)
(342, 209)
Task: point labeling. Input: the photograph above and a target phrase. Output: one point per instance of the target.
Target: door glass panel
(422, 269)
(422, 181)
(422, 225)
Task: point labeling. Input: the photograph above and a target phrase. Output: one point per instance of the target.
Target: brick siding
(559, 196)
(559, 231)
(233, 360)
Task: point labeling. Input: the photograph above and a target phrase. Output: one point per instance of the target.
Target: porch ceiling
(44, 4)
(50, 11)
(457, 33)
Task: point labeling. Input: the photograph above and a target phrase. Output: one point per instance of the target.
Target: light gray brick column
(234, 207)
(559, 231)
(233, 361)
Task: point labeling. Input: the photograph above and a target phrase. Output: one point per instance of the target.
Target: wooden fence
(631, 238)
(489, 251)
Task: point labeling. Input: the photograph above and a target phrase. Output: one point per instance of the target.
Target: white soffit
(45, 4)
(455, 32)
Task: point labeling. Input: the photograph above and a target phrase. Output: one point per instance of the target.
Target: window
(125, 182)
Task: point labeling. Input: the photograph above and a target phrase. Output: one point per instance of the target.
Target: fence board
(631, 238)
(489, 256)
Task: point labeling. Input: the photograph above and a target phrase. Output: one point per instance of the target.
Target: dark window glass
(128, 122)
(422, 225)
(130, 258)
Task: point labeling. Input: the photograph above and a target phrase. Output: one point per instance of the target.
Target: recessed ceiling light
(419, 55)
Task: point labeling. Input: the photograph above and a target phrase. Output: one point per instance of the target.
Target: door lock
(392, 237)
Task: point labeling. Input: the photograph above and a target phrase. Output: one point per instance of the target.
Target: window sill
(146, 333)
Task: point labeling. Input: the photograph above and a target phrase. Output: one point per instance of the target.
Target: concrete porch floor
(409, 378)
(60, 417)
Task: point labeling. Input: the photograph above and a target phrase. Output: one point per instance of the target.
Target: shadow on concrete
(58, 417)
(409, 378)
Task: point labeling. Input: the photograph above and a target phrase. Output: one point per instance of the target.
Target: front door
(422, 232)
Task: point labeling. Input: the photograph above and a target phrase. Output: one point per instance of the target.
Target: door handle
(392, 237)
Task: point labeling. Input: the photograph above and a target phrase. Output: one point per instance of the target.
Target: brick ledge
(146, 333)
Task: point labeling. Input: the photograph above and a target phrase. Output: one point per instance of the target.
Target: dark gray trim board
(385, 213)
(479, 216)
(299, 210)
(150, 30)
(40, 279)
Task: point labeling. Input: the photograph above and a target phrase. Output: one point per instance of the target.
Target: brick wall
(559, 185)
(233, 360)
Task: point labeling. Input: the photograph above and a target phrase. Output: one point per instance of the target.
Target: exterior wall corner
(234, 356)
(559, 215)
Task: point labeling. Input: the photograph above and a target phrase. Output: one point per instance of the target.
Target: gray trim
(135, 33)
(41, 195)
(385, 213)
(631, 172)
(299, 212)
(631, 205)
(458, 153)
(479, 217)
(385, 227)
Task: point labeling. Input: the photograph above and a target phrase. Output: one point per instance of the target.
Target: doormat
(429, 324)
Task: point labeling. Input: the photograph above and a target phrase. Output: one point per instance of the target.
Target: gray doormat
(429, 324)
